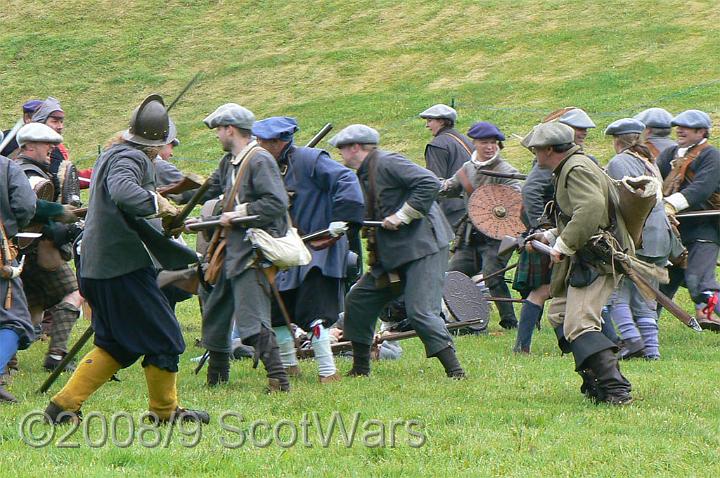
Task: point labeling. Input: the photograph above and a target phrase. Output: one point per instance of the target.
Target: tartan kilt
(47, 288)
(533, 270)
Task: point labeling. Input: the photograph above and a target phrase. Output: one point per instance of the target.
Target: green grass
(382, 62)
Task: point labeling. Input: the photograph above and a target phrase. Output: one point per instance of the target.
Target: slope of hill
(379, 62)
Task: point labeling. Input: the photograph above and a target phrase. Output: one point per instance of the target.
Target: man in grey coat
(446, 153)
(242, 289)
(408, 254)
(633, 315)
(131, 318)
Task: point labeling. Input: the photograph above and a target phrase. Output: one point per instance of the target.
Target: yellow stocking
(95, 369)
(162, 391)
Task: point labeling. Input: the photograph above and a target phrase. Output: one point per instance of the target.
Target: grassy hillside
(381, 62)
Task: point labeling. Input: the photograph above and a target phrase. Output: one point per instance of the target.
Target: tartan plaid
(64, 316)
(533, 270)
(46, 288)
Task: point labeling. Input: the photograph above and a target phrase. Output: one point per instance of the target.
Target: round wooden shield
(494, 210)
(464, 300)
(44, 189)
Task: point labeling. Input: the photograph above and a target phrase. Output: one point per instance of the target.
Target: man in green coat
(581, 282)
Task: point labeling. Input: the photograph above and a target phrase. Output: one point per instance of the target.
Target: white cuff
(407, 213)
(550, 236)
(562, 248)
(242, 209)
(678, 201)
(155, 202)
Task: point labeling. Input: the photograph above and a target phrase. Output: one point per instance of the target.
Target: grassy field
(381, 62)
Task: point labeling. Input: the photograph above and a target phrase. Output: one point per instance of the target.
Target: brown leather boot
(330, 378)
(294, 371)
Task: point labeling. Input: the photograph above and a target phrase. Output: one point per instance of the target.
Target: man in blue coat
(691, 172)
(324, 194)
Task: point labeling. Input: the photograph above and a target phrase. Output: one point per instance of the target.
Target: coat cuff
(407, 213)
(678, 201)
(242, 209)
(155, 204)
(551, 236)
(562, 248)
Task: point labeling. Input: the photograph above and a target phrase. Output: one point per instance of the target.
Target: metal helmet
(150, 123)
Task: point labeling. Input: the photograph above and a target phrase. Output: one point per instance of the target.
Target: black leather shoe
(6, 396)
(59, 416)
(353, 372)
(631, 348)
(188, 415)
(52, 361)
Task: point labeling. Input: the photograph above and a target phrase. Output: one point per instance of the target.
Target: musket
(11, 134)
(198, 195)
(496, 174)
(372, 223)
(215, 222)
(505, 299)
(711, 213)
(319, 136)
(190, 205)
(66, 360)
(387, 336)
(500, 271)
(509, 242)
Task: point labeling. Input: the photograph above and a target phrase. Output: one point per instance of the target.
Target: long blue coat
(322, 191)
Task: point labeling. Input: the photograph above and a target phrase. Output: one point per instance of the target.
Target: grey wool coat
(263, 190)
(123, 186)
(444, 155)
(656, 240)
(17, 207)
(399, 180)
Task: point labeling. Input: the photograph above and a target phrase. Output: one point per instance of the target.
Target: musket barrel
(496, 174)
(201, 226)
(541, 247)
(372, 223)
(11, 134)
(319, 136)
(697, 214)
(188, 208)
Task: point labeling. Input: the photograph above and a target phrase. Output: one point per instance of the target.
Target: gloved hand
(61, 234)
(337, 228)
(188, 222)
(670, 211)
(227, 217)
(546, 237)
(165, 207)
